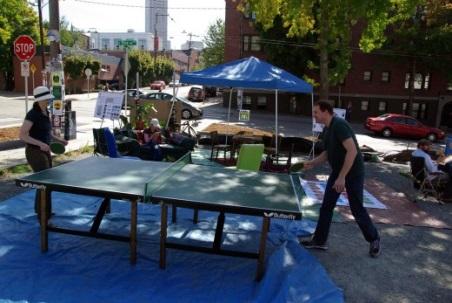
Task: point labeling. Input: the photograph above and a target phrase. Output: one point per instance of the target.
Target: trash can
(70, 125)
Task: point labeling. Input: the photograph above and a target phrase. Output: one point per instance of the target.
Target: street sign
(127, 43)
(25, 69)
(33, 68)
(88, 72)
(24, 47)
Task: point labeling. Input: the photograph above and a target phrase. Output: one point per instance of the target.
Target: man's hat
(42, 93)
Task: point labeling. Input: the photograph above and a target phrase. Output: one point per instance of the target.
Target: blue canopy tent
(250, 73)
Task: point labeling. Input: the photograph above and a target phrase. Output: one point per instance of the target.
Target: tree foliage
(16, 18)
(149, 69)
(213, 52)
(75, 65)
(69, 35)
(330, 23)
(426, 37)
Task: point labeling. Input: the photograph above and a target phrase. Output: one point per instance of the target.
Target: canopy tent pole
(276, 123)
(175, 91)
(314, 137)
(229, 111)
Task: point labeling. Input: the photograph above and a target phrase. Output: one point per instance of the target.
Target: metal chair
(427, 183)
(219, 144)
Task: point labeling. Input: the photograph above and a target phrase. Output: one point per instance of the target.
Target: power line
(144, 6)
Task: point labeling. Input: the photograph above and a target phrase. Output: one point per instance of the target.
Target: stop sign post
(25, 49)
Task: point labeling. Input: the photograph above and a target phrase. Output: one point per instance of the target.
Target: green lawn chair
(250, 157)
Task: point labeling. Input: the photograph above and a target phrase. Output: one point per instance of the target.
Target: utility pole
(41, 37)
(54, 25)
(189, 52)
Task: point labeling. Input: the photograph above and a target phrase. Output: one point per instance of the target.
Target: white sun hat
(155, 122)
(42, 93)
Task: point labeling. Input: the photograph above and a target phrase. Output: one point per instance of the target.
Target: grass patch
(56, 160)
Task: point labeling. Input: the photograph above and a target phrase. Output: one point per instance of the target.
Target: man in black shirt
(346, 161)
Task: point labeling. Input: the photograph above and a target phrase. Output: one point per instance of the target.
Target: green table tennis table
(177, 184)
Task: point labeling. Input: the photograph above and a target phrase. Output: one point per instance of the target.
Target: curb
(11, 144)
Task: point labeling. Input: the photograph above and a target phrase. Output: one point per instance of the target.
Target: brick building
(375, 84)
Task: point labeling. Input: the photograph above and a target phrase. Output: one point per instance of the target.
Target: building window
(251, 43)
(248, 14)
(142, 43)
(427, 81)
(262, 102)
(423, 112)
(420, 81)
(364, 105)
(385, 76)
(105, 43)
(246, 102)
(246, 43)
(117, 43)
(382, 106)
(367, 76)
(404, 107)
(255, 43)
(415, 110)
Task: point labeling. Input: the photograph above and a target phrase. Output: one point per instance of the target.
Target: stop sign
(24, 47)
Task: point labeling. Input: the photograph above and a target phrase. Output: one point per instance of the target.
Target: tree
(293, 54)
(69, 35)
(16, 18)
(330, 22)
(75, 65)
(213, 52)
(425, 39)
(149, 69)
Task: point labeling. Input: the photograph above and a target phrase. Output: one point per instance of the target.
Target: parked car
(196, 93)
(389, 125)
(189, 111)
(175, 83)
(132, 93)
(210, 91)
(158, 85)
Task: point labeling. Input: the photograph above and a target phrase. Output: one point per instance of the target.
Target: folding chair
(427, 183)
(100, 146)
(111, 146)
(219, 144)
(250, 157)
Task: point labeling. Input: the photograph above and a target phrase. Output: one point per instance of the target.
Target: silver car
(188, 110)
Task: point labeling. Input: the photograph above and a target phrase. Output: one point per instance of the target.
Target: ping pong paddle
(57, 148)
(297, 167)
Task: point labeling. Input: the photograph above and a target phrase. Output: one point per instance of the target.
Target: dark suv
(196, 94)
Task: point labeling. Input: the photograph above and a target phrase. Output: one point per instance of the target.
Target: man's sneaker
(374, 249)
(313, 244)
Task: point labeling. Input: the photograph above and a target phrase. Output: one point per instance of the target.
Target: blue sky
(120, 15)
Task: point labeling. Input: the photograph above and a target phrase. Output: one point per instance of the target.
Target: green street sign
(127, 42)
(244, 115)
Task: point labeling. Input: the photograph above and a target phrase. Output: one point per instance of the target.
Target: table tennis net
(156, 182)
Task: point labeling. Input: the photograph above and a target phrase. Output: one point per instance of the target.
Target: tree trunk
(323, 48)
(409, 107)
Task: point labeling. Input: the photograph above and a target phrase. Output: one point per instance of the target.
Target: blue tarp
(80, 269)
(250, 73)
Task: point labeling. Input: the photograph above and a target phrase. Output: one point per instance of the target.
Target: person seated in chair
(153, 132)
(150, 150)
(444, 171)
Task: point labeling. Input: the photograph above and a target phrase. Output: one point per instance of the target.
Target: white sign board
(25, 69)
(108, 105)
(338, 112)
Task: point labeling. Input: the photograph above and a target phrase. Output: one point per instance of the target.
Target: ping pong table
(178, 184)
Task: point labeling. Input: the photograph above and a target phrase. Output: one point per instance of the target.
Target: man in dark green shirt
(346, 161)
